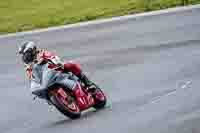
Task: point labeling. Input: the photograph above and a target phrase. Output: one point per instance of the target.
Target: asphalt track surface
(149, 68)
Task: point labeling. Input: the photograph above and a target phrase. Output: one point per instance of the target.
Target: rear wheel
(65, 103)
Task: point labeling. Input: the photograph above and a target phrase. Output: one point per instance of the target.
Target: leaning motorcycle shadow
(91, 113)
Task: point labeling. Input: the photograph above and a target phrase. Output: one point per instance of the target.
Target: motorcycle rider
(33, 58)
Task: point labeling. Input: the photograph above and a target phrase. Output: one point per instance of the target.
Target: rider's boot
(84, 79)
(87, 82)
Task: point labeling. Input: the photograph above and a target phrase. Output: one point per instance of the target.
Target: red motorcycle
(66, 102)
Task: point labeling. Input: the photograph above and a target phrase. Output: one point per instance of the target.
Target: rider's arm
(49, 57)
(57, 61)
(28, 71)
(68, 66)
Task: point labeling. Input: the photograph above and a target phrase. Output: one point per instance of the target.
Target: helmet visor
(28, 56)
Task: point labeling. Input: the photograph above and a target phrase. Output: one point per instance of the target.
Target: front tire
(62, 106)
(99, 103)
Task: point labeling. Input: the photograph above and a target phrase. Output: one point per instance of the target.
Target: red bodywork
(84, 99)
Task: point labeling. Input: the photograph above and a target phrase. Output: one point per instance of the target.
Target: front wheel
(100, 99)
(65, 103)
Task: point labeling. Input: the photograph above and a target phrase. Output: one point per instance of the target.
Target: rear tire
(63, 108)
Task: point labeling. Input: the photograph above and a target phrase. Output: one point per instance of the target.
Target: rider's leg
(72, 85)
(76, 70)
(66, 82)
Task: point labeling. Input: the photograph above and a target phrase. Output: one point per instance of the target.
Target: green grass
(20, 15)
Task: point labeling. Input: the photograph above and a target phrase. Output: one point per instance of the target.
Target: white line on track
(184, 86)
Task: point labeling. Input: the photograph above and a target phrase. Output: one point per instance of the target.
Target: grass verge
(22, 15)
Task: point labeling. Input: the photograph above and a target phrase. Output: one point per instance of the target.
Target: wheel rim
(72, 107)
